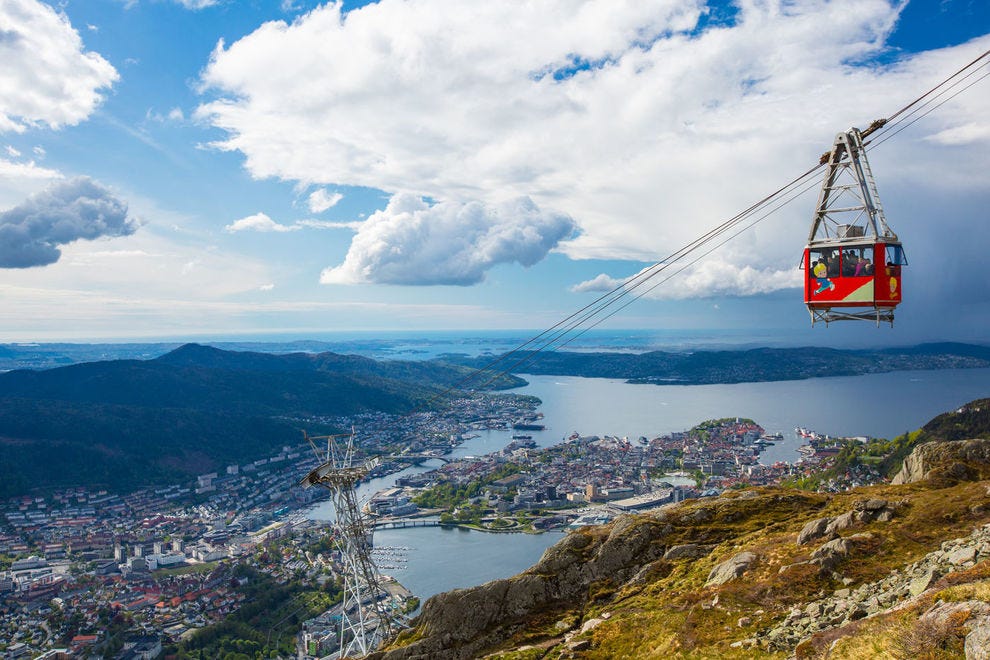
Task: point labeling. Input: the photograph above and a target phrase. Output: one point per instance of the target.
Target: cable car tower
(365, 617)
(853, 260)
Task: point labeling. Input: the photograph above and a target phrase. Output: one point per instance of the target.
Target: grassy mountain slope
(764, 572)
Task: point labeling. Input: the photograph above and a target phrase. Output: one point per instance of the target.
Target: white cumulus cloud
(964, 134)
(601, 283)
(412, 242)
(173, 115)
(20, 178)
(626, 115)
(261, 222)
(196, 5)
(320, 200)
(47, 77)
(258, 222)
(26, 170)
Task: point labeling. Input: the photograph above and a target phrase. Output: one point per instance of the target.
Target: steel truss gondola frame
(866, 229)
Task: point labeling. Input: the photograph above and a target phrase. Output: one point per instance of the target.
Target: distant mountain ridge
(204, 377)
(126, 423)
(745, 366)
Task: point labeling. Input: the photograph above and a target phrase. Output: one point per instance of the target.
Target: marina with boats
(820, 446)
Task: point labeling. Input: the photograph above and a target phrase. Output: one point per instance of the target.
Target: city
(92, 572)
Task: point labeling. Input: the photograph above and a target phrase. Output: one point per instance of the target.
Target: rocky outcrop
(830, 554)
(813, 530)
(971, 615)
(863, 512)
(460, 623)
(730, 569)
(847, 605)
(959, 460)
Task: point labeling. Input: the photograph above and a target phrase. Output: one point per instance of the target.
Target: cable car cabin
(843, 279)
(853, 260)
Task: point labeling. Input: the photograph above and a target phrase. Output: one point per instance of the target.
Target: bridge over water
(403, 524)
(418, 457)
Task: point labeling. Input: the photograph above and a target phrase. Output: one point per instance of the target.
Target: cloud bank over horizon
(67, 211)
(708, 279)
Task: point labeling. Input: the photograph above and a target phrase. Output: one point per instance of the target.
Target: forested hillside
(749, 366)
(123, 424)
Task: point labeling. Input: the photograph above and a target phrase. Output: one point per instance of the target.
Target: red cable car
(853, 260)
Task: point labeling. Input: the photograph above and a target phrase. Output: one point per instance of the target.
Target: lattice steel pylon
(366, 620)
(848, 203)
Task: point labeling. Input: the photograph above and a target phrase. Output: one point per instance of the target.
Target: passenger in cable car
(833, 264)
(864, 267)
(849, 262)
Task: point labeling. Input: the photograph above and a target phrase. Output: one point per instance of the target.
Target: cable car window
(864, 267)
(829, 258)
(823, 263)
(895, 256)
(818, 270)
(856, 262)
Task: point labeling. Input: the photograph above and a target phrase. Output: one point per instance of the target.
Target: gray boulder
(730, 569)
(813, 530)
(831, 549)
(921, 584)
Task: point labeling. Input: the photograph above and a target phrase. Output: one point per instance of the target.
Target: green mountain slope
(128, 423)
(747, 366)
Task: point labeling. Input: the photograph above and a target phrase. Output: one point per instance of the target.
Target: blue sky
(264, 167)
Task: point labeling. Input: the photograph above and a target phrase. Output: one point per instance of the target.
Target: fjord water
(442, 559)
(878, 405)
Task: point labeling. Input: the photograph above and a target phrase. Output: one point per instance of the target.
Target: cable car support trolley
(853, 260)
